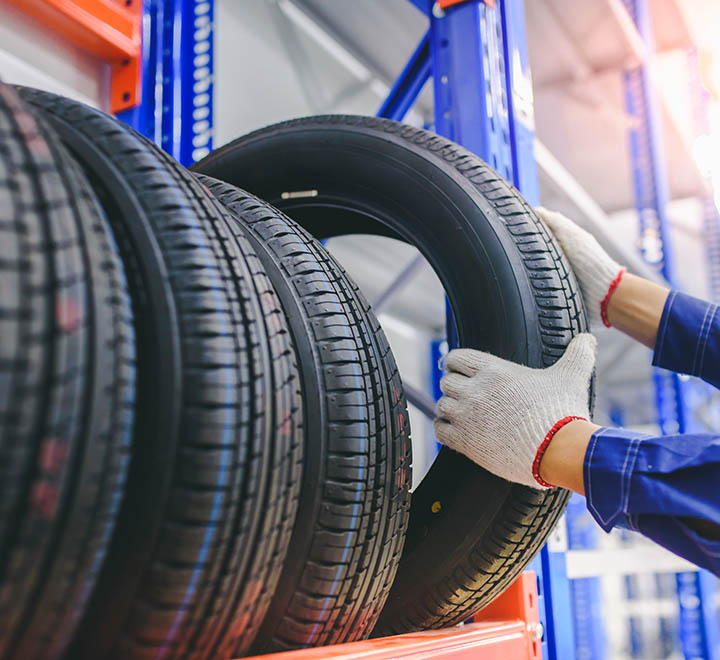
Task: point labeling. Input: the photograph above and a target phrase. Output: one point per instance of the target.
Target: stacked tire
(204, 441)
(511, 291)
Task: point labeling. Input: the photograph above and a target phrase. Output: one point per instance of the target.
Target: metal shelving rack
(161, 54)
(476, 53)
(109, 30)
(177, 84)
(696, 589)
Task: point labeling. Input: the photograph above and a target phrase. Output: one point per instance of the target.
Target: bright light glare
(702, 152)
(706, 151)
(706, 148)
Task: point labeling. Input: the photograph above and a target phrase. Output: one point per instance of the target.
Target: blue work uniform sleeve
(688, 339)
(656, 486)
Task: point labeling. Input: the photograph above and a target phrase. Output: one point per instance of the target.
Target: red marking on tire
(274, 319)
(400, 422)
(44, 499)
(286, 428)
(53, 454)
(34, 141)
(67, 314)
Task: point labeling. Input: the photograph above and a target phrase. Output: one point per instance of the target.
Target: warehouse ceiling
(578, 51)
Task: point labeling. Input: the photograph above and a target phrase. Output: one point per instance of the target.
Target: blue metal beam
(187, 108)
(468, 64)
(698, 615)
(423, 5)
(483, 100)
(177, 84)
(143, 116)
(651, 196)
(409, 84)
(587, 602)
(698, 627)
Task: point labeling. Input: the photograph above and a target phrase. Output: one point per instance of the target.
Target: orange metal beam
(497, 640)
(519, 601)
(108, 29)
(508, 629)
(444, 4)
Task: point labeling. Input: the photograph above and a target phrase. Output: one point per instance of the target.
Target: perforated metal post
(187, 108)
(143, 117)
(176, 110)
(469, 79)
(468, 67)
(483, 100)
(650, 180)
(651, 196)
(587, 601)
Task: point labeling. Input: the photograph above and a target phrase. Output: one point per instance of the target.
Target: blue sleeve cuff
(656, 485)
(609, 462)
(688, 339)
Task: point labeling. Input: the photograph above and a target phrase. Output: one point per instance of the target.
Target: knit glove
(503, 415)
(597, 274)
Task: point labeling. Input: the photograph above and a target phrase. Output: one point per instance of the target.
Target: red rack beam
(444, 4)
(501, 640)
(108, 29)
(508, 629)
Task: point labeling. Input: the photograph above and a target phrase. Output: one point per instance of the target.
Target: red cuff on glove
(606, 300)
(544, 445)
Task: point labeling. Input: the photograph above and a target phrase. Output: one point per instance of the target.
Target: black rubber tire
(67, 379)
(212, 487)
(354, 504)
(511, 291)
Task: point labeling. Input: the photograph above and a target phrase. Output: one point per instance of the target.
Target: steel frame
(696, 590)
(162, 64)
(508, 628)
(409, 83)
(177, 81)
(483, 100)
(590, 642)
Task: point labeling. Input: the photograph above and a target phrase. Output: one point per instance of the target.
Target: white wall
(31, 54)
(268, 70)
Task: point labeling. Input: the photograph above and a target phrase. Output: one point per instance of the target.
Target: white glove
(503, 415)
(597, 273)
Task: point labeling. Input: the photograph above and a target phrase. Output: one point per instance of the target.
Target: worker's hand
(597, 274)
(503, 415)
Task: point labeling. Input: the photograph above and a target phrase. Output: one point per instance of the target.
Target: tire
(354, 502)
(344, 175)
(67, 379)
(212, 486)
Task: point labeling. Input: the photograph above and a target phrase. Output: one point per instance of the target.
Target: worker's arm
(684, 331)
(665, 487)
(636, 307)
(532, 426)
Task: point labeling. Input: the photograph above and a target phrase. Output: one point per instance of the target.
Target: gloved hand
(597, 273)
(503, 415)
